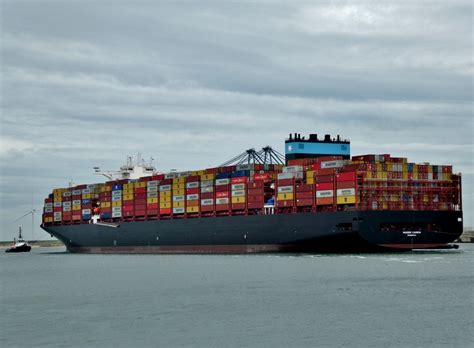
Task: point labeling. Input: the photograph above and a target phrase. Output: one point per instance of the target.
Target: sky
(192, 84)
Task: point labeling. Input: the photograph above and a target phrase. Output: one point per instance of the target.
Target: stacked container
(192, 194)
(222, 189)
(346, 188)
(152, 198)
(141, 198)
(179, 194)
(239, 191)
(117, 200)
(165, 196)
(105, 199)
(207, 193)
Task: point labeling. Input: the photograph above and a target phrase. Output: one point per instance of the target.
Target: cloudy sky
(192, 84)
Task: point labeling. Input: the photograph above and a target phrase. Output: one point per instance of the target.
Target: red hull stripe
(186, 249)
(412, 246)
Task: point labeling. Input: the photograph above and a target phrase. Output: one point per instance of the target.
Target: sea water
(50, 298)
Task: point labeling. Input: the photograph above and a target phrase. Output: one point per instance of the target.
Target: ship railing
(268, 209)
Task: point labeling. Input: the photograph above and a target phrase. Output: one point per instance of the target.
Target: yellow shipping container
(368, 175)
(405, 175)
(389, 167)
(86, 196)
(197, 172)
(128, 186)
(48, 219)
(179, 204)
(310, 181)
(164, 199)
(238, 200)
(165, 194)
(106, 188)
(139, 184)
(379, 167)
(78, 207)
(128, 191)
(58, 199)
(105, 204)
(117, 204)
(179, 192)
(128, 197)
(385, 205)
(285, 196)
(179, 186)
(180, 180)
(206, 177)
(152, 200)
(192, 209)
(165, 205)
(346, 200)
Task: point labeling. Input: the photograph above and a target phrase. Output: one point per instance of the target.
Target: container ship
(314, 198)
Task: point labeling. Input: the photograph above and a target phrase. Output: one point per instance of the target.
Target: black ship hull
(20, 249)
(303, 232)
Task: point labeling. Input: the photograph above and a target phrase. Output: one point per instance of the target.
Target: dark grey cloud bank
(191, 84)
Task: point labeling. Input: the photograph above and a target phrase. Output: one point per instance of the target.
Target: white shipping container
(86, 211)
(285, 189)
(48, 210)
(116, 208)
(430, 176)
(66, 208)
(236, 187)
(324, 194)
(152, 195)
(116, 214)
(67, 194)
(346, 192)
(76, 202)
(240, 193)
(57, 218)
(207, 201)
(193, 197)
(116, 199)
(222, 182)
(86, 191)
(292, 169)
(67, 204)
(57, 213)
(248, 166)
(296, 175)
(117, 193)
(76, 192)
(58, 204)
(171, 175)
(222, 200)
(153, 183)
(207, 189)
(207, 183)
(178, 210)
(165, 188)
(194, 184)
(152, 189)
(179, 198)
(332, 164)
(50, 205)
(181, 174)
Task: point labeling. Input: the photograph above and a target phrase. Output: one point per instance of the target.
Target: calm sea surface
(418, 299)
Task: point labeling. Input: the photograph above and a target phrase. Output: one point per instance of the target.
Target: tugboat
(19, 245)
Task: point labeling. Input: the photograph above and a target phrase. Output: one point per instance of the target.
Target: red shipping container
(324, 178)
(239, 180)
(345, 184)
(165, 211)
(166, 182)
(262, 177)
(80, 187)
(48, 200)
(285, 203)
(285, 182)
(258, 191)
(57, 209)
(140, 207)
(128, 208)
(304, 202)
(306, 194)
(140, 195)
(128, 213)
(304, 188)
(255, 184)
(105, 210)
(315, 166)
(152, 206)
(222, 188)
(140, 201)
(76, 197)
(158, 177)
(257, 198)
(255, 205)
(76, 217)
(325, 201)
(193, 178)
(238, 206)
(140, 190)
(192, 191)
(207, 195)
(221, 207)
(207, 208)
(192, 203)
(152, 211)
(141, 212)
(222, 194)
(145, 178)
(127, 203)
(324, 186)
(350, 176)
(325, 171)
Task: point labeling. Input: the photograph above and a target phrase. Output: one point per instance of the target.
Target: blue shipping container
(240, 173)
(105, 215)
(86, 201)
(117, 187)
(222, 175)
